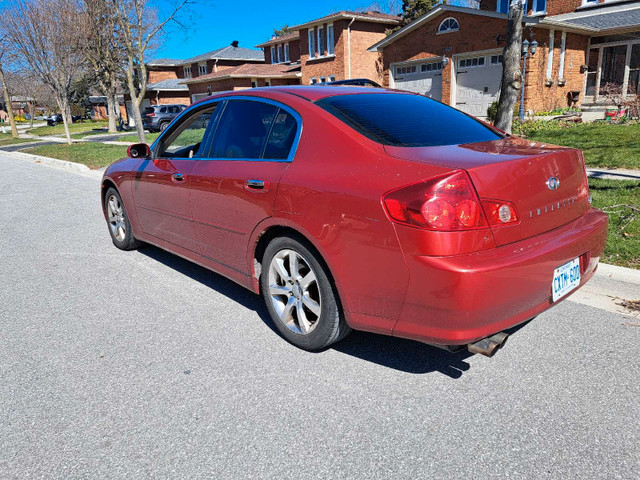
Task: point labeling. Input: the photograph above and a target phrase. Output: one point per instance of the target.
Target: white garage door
(478, 81)
(424, 78)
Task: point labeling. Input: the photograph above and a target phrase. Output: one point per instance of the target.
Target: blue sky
(215, 24)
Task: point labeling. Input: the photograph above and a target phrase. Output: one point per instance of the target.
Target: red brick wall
(164, 74)
(294, 51)
(539, 96)
(480, 33)
(363, 64)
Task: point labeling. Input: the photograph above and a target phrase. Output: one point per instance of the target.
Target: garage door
(478, 81)
(424, 78)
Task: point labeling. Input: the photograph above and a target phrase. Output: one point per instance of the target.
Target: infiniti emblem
(553, 183)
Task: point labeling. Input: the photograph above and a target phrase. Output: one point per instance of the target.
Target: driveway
(140, 364)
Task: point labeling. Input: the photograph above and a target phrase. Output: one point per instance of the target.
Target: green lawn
(93, 155)
(621, 201)
(149, 137)
(604, 145)
(87, 126)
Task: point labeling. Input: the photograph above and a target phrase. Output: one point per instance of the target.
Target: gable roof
(431, 14)
(283, 38)
(228, 53)
(248, 70)
(374, 17)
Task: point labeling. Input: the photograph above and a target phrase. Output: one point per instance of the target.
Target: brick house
(454, 54)
(335, 47)
(283, 49)
(166, 77)
(243, 77)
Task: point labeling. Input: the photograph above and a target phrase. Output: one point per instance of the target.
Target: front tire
(118, 221)
(300, 297)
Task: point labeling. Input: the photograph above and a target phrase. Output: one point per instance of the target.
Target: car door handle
(177, 177)
(255, 184)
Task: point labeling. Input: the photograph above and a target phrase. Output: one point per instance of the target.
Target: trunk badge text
(553, 183)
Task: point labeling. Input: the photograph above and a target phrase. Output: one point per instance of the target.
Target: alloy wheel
(115, 214)
(294, 291)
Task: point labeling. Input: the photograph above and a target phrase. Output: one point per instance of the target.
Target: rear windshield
(403, 120)
(148, 110)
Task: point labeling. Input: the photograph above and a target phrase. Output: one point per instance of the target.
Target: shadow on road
(391, 352)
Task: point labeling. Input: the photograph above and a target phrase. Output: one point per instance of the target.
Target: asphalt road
(140, 364)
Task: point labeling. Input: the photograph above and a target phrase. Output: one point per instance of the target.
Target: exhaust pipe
(488, 346)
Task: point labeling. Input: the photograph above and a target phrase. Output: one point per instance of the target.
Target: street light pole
(526, 47)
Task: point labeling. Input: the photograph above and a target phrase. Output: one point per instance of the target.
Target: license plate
(565, 278)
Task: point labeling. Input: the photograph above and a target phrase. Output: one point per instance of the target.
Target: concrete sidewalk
(614, 173)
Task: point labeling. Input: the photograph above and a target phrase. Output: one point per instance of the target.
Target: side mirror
(139, 150)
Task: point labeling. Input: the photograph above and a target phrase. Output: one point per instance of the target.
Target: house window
(320, 41)
(273, 54)
(449, 25)
(332, 78)
(587, 2)
(431, 67)
(539, 6)
(312, 43)
(267, 82)
(503, 6)
(471, 62)
(287, 58)
(187, 71)
(202, 69)
(330, 40)
(254, 83)
(496, 59)
(280, 56)
(313, 81)
(323, 79)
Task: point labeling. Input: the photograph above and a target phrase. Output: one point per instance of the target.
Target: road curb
(54, 162)
(621, 274)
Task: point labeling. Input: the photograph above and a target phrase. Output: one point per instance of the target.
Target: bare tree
(45, 34)
(105, 53)
(511, 73)
(5, 89)
(137, 29)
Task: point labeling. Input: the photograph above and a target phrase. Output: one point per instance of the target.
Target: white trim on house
(563, 54)
(552, 39)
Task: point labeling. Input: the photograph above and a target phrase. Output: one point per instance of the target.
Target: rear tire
(163, 126)
(118, 222)
(300, 296)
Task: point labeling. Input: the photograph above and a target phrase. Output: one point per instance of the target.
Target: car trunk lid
(521, 172)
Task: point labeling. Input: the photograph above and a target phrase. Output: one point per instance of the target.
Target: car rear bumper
(460, 299)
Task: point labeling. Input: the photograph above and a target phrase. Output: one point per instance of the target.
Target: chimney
(234, 44)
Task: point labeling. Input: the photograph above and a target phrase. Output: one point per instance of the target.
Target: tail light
(500, 212)
(150, 114)
(445, 203)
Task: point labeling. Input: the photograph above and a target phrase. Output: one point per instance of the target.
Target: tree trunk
(63, 104)
(7, 101)
(112, 113)
(135, 108)
(511, 71)
(31, 111)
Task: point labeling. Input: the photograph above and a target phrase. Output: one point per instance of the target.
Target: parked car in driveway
(422, 223)
(158, 117)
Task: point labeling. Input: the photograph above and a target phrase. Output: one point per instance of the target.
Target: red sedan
(366, 209)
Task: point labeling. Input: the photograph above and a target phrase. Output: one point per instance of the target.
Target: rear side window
(147, 110)
(404, 120)
(283, 133)
(163, 110)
